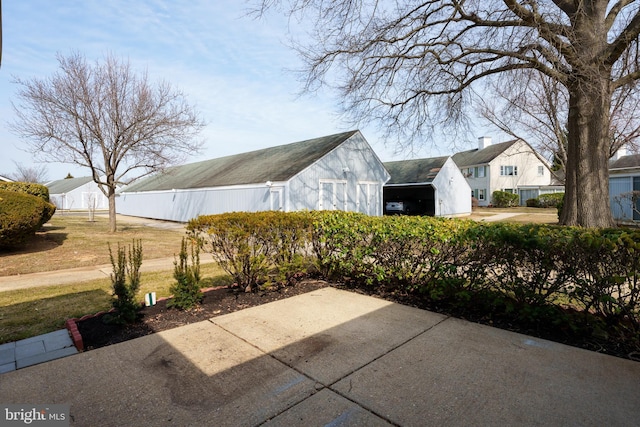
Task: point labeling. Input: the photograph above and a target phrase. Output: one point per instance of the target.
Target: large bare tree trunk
(586, 200)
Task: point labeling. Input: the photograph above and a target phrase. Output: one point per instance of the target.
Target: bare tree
(536, 110)
(108, 119)
(36, 174)
(413, 67)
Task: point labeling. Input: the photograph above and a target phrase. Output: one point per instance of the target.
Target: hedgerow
(532, 271)
(254, 248)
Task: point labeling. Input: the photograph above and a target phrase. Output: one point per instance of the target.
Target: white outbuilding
(339, 172)
(433, 186)
(77, 194)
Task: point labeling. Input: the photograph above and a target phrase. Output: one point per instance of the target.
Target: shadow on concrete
(334, 358)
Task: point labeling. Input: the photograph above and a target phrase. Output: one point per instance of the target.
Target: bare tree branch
(106, 118)
(415, 69)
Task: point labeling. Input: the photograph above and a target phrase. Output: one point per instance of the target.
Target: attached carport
(433, 186)
(419, 198)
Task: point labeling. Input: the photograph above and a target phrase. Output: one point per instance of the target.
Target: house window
(481, 194)
(480, 172)
(508, 170)
(540, 170)
(510, 190)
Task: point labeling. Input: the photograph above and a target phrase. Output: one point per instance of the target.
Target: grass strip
(29, 312)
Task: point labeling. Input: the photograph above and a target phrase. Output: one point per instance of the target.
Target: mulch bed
(96, 333)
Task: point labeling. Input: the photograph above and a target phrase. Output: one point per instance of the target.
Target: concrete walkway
(80, 274)
(499, 217)
(332, 357)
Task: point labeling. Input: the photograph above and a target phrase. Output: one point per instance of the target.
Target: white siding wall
(520, 155)
(344, 170)
(480, 183)
(452, 191)
(183, 205)
(352, 163)
(81, 198)
(619, 184)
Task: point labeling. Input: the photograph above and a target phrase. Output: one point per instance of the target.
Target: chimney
(622, 151)
(484, 142)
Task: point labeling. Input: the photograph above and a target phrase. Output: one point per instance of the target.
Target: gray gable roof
(417, 171)
(66, 185)
(480, 157)
(626, 162)
(270, 164)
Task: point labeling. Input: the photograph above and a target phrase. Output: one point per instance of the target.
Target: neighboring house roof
(626, 162)
(480, 157)
(5, 179)
(422, 171)
(66, 185)
(270, 164)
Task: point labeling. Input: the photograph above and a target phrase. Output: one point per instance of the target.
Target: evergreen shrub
(21, 215)
(528, 271)
(186, 290)
(503, 199)
(253, 247)
(533, 203)
(37, 190)
(550, 200)
(125, 281)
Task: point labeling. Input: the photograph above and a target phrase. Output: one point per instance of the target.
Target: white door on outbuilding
(333, 195)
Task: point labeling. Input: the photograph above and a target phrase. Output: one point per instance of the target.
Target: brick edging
(72, 324)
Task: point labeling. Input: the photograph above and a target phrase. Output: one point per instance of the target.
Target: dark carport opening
(417, 199)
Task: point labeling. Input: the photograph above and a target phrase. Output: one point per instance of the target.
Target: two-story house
(512, 166)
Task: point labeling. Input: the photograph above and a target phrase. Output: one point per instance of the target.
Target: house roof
(65, 185)
(270, 164)
(626, 162)
(479, 157)
(422, 171)
(5, 179)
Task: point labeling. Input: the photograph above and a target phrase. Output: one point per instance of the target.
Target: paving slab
(193, 375)
(7, 353)
(329, 409)
(462, 373)
(277, 363)
(328, 333)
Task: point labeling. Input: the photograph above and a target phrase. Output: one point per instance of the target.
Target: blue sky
(235, 69)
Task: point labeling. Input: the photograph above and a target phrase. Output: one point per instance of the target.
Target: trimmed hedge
(502, 199)
(530, 271)
(21, 215)
(37, 190)
(551, 200)
(255, 248)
